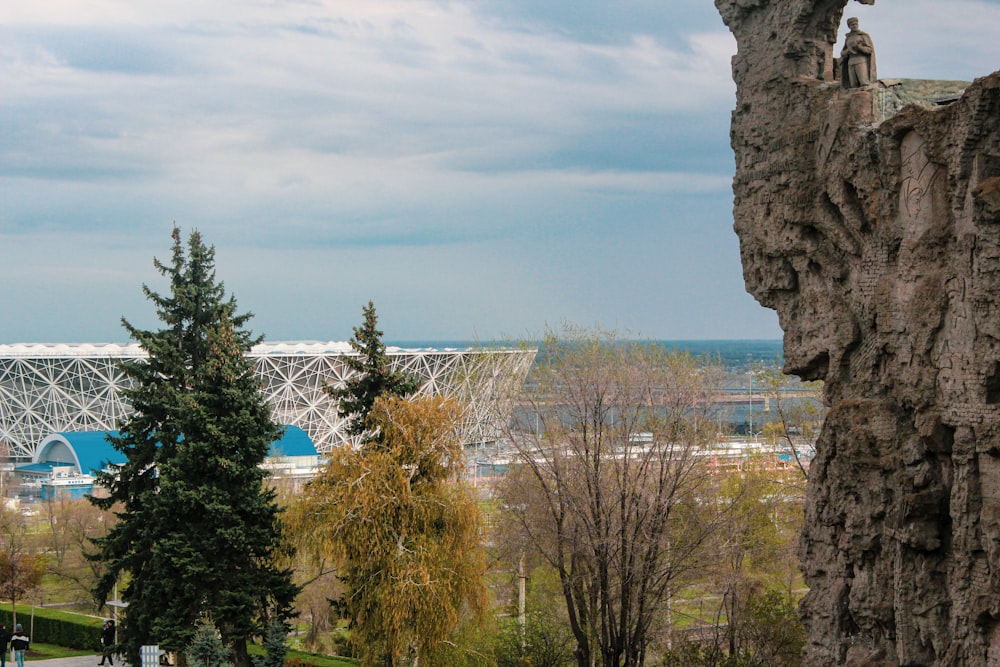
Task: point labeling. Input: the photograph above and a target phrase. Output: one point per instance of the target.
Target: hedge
(84, 632)
(52, 626)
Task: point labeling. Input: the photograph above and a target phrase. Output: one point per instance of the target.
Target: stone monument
(869, 219)
(857, 57)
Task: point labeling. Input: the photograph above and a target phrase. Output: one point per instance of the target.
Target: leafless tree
(610, 489)
(798, 414)
(21, 567)
(70, 525)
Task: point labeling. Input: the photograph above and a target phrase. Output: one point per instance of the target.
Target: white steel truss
(54, 388)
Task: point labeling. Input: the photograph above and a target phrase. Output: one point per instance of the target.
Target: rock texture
(869, 219)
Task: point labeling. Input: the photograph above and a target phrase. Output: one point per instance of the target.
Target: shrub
(58, 627)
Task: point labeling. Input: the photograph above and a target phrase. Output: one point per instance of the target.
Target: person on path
(108, 642)
(4, 640)
(20, 643)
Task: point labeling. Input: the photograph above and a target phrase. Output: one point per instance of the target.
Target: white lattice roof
(46, 388)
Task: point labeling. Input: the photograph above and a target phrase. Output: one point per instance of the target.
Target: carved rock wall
(875, 236)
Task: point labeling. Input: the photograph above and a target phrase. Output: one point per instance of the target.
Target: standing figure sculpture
(857, 58)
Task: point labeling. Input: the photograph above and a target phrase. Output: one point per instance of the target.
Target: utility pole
(521, 588)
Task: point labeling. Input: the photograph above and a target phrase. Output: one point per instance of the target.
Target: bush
(57, 627)
(303, 659)
(773, 630)
(546, 642)
(693, 654)
(274, 646)
(206, 650)
(83, 632)
(770, 635)
(342, 644)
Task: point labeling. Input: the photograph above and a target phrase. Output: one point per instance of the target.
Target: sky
(482, 170)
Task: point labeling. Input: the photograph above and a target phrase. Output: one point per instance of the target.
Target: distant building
(52, 388)
(65, 464)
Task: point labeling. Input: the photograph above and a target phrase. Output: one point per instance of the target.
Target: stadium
(51, 388)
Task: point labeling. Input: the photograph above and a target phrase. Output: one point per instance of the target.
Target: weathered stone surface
(869, 219)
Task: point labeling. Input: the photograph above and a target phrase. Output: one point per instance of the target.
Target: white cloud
(510, 151)
(381, 98)
(929, 39)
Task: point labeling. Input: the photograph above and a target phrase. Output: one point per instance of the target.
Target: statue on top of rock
(857, 59)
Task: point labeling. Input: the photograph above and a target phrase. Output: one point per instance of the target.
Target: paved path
(78, 661)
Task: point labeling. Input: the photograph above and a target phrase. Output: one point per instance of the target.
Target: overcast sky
(480, 169)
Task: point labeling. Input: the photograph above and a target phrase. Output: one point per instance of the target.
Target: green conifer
(371, 378)
(206, 649)
(198, 532)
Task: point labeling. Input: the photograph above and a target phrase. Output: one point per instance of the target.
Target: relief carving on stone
(919, 177)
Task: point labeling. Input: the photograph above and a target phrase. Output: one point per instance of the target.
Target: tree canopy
(198, 533)
(405, 529)
(608, 483)
(372, 377)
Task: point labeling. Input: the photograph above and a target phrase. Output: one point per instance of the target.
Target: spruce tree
(198, 532)
(206, 649)
(371, 378)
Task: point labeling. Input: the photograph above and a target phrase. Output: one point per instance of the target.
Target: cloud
(926, 39)
(361, 102)
(479, 165)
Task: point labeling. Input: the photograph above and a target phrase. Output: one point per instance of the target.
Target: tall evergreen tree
(198, 532)
(371, 379)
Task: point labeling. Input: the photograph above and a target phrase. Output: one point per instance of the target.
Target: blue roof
(92, 449)
(94, 453)
(294, 442)
(41, 467)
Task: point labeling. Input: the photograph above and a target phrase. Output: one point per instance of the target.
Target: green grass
(49, 651)
(307, 658)
(40, 651)
(319, 660)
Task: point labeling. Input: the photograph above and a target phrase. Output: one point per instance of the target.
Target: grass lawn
(40, 651)
(48, 651)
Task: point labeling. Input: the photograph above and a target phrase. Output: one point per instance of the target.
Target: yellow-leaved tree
(405, 529)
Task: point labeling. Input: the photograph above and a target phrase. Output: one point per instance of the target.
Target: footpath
(77, 661)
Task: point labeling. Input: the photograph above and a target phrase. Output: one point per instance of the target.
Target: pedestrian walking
(20, 643)
(4, 640)
(108, 643)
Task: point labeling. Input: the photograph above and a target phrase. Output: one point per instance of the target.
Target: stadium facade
(51, 388)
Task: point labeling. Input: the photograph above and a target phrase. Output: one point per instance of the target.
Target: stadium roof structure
(52, 388)
(90, 452)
